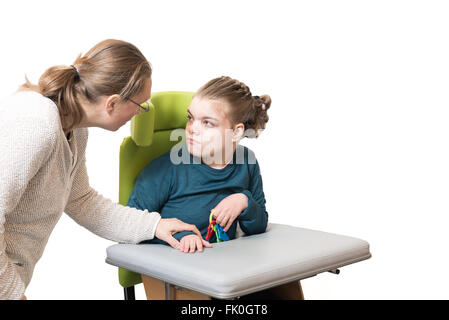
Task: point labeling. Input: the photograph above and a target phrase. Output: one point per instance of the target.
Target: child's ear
(239, 130)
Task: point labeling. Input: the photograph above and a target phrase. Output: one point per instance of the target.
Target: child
(220, 174)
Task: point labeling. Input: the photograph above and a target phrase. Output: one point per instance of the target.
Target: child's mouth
(191, 141)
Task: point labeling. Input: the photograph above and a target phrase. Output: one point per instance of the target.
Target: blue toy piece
(221, 234)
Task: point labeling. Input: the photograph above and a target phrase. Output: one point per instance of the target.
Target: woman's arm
(114, 221)
(25, 145)
(104, 217)
(11, 285)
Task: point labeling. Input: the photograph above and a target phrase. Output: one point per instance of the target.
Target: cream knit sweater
(41, 175)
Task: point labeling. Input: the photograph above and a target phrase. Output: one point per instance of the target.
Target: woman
(43, 137)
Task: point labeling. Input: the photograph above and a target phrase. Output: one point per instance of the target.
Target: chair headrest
(168, 111)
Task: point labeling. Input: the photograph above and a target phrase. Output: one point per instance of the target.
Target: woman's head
(222, 112)
(106, 79)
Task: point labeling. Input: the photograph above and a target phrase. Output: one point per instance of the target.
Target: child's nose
(193, 127)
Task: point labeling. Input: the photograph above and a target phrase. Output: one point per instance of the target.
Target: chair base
(158, 290)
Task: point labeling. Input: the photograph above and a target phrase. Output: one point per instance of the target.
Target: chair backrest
(150, 138)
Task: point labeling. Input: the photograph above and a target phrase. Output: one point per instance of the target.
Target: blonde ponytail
(110, 67)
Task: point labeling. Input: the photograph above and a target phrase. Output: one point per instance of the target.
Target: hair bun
(243, 106)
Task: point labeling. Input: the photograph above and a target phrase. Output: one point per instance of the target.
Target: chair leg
(301, 293)
(158, 290)
(289, 291)
(129, 293)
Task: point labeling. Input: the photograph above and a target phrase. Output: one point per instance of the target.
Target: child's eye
(208, 123)
(189, 117)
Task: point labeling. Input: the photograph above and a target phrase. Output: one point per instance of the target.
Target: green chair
(150, 138)
(305, 252)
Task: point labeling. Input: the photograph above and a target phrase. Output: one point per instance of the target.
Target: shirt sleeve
(24, 147)
(106, 218)
(254, 218)
(152, 190)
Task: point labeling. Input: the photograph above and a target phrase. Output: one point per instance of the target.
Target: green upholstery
(150, 138)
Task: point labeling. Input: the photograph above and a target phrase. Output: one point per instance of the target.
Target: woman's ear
(239, 130)
(112, 102)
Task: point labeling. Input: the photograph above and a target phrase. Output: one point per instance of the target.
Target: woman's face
(208, 131)
(127, 109)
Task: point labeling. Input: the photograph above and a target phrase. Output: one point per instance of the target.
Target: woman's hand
(167, 227)
(229, 209)
(192, 242)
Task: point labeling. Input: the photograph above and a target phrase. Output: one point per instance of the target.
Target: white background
(357, 138)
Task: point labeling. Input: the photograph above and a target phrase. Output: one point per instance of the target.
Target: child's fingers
(216, 213)
(185, 245)
(199, 244)
(228, 225)
(206, 243)
(192, 245)
(221, 217)
(224, 220)
(181, 245)
(218, 219)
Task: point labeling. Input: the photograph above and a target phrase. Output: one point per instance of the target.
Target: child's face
(209, 132)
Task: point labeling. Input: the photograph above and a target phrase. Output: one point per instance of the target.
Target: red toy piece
(210, 229)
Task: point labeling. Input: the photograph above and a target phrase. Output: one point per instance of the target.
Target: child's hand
(229, 209)
(167, 227)
(192, 242)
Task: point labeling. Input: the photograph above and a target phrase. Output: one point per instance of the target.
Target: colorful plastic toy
(214, 227)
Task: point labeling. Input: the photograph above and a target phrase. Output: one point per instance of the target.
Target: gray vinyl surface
(244, 265)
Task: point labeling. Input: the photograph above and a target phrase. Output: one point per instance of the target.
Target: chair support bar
(334, 271)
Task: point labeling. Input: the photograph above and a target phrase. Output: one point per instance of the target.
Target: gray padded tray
(246, 264)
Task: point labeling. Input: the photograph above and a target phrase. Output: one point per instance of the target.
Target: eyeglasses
(146, 108)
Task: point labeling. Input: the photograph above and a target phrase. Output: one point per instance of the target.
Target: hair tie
(77, 75)
(263, 106)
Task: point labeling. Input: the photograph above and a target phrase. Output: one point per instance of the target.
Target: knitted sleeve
(25, 145)
(106, 218)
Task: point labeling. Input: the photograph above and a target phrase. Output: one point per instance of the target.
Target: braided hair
(243, 106)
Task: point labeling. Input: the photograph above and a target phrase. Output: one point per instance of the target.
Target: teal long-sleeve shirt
(191, 189)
